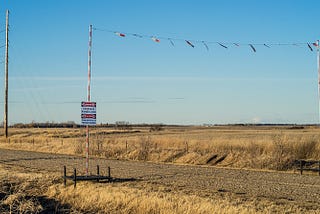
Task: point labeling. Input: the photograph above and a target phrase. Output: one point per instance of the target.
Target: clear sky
(141, 81)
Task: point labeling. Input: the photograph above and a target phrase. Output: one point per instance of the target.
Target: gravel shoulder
(211, 182)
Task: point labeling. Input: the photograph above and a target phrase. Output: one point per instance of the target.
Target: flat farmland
(174, 181)
(252, 147)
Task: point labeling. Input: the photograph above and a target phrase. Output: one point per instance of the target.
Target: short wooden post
(75, 177)
(64, 175)
(109, 172)
(187, 146)
(301, 167)
(98, 173)
(126, 146)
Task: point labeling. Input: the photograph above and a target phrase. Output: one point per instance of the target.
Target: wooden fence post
(126, 146)
(98, 173)
(64, 175)
(75, 177)
(186, 146)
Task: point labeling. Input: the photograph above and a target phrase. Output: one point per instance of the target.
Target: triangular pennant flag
(189, 43)
(222, 45)
(266, 45)
(155, 39)
(254, 50)
(205, 45)
(310, 47)
(316, 44)
(120, 34)
(171, 42)
(137, 35)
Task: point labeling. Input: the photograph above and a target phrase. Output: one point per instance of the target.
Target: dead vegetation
(26, 193)
(117, 198)
(29, 192)
(242, 147)
(159, 188)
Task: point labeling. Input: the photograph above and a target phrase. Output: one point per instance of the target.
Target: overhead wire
(206, 43)
(30, 93)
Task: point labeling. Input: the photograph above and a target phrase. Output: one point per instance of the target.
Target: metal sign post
(88, 99)
(318, 64)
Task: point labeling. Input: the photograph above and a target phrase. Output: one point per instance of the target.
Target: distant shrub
(156, 128)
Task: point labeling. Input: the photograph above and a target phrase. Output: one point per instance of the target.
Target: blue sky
(141, 81)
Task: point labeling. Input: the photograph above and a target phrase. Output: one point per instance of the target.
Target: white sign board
(88, 113)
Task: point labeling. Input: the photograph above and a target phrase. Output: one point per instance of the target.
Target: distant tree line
(120, 125)
(68, 124)
(124, 125)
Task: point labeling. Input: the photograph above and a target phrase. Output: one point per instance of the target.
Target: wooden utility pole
(6, 78)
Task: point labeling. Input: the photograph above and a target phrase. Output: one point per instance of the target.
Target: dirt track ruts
(198, 180)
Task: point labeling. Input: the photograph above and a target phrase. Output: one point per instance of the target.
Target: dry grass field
(258, 147)
(25, 190)
(34, 190)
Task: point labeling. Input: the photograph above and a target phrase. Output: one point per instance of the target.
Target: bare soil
(205, 181)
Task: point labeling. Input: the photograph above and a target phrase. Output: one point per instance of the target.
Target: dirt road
(279, 187)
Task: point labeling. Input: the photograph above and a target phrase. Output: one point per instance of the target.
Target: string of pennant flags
(205, 44)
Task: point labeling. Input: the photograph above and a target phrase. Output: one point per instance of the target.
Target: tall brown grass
(28, 192)
(248, 147)
(116, 198)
